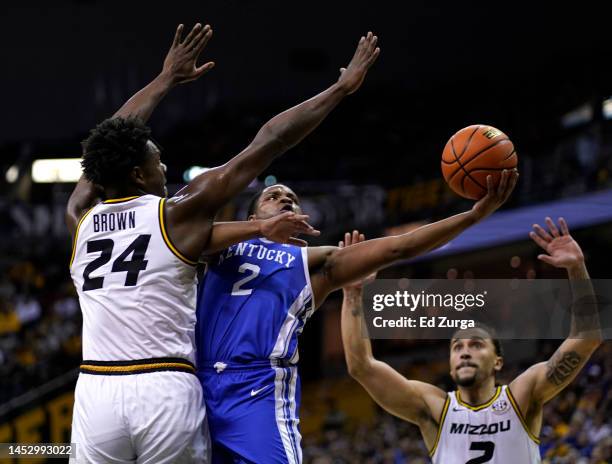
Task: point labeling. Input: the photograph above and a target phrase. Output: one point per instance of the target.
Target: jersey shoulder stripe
(166, 237)
(440, 425)
(120, 200)
(76, 234)
(518, 412)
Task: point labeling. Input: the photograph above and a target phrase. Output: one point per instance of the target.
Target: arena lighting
(56, 170)
(193, 172)
(607, 108)
(12, 174)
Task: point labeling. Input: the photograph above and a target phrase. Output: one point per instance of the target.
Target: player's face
(276, 200)
(154, 172)
(473, 360)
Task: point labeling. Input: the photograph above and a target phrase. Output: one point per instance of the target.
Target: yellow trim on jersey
(120, 200)
(518, 412)
(162, 225)
(440, 424)
(480, 406)
(76, 235)
(136, 367)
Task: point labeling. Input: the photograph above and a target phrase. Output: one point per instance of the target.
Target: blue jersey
(253, 303)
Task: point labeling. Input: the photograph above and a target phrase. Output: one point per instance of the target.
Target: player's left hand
(365, 55)
(496, 196)
(180, 63)
(563, 251)
(352, 239)
(284, 227)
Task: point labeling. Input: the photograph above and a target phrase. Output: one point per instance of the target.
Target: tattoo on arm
(562, 366)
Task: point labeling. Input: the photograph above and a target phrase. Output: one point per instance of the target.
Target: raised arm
(332, 268)
(179, 67)
(414, 401)
(203, 197)
(545, 380)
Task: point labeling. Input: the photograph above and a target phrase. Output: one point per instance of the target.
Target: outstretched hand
(562, 250)
(496, 196)
(352, 239)
(353, 75)
(180, 63)
(284, 227)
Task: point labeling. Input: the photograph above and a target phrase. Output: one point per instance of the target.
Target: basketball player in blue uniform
(252, 306)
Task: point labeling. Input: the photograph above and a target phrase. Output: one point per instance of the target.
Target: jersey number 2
(133, 267)
(253, 271)
(487, 446)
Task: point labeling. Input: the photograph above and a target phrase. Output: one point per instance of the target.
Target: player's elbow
(270, 137)
(358, 368)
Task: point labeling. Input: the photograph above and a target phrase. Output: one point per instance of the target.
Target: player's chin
(465, 380)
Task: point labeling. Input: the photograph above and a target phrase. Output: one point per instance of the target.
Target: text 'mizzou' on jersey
(137, 291)
(253, 303)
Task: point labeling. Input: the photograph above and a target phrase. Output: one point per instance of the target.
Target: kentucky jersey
(137, 292)
(253, 303)
(494, 432)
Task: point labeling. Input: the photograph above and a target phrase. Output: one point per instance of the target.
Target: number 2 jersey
(253, 304)
(494, 432)
(137, 292)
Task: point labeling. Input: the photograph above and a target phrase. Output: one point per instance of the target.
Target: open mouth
(287, 208)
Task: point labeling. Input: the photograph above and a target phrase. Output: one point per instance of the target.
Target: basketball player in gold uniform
(481, 422)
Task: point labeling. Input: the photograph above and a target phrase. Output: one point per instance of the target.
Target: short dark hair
(490, 331)
(112, 150)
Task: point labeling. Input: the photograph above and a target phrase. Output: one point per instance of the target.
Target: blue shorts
(253, 413)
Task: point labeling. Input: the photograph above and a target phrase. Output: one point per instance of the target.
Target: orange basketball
(472, 154)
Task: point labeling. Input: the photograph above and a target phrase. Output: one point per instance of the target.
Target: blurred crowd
(577, 427)
(40, 327)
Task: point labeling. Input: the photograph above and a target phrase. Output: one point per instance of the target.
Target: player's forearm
(585, 323)
(348, 264)
(357, 348)
(287, 129)
(225, 234)
(273, 139)
(432, 236)
(142, 104)
(291, 126)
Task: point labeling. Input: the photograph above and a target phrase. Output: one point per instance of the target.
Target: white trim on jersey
(291, 321)
(297, 437)
(282, 421)
(304, 251)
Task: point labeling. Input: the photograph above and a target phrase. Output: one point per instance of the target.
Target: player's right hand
(284, 227)
(353, 75)
(562, 250)
(496, 196)
(180, 63)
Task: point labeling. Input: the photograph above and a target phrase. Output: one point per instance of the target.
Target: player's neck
(478, 394)
(112, 192)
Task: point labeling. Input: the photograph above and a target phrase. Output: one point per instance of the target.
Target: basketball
(472, 154)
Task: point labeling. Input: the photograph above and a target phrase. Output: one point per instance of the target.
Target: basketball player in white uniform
(134, 257)
(479, 422)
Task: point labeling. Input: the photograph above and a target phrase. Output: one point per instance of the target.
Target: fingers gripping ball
(472, 154)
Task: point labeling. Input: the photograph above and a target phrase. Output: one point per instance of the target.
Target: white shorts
(153, 418)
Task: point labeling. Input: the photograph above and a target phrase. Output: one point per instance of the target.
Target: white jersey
(137, 292)
(494, 432)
